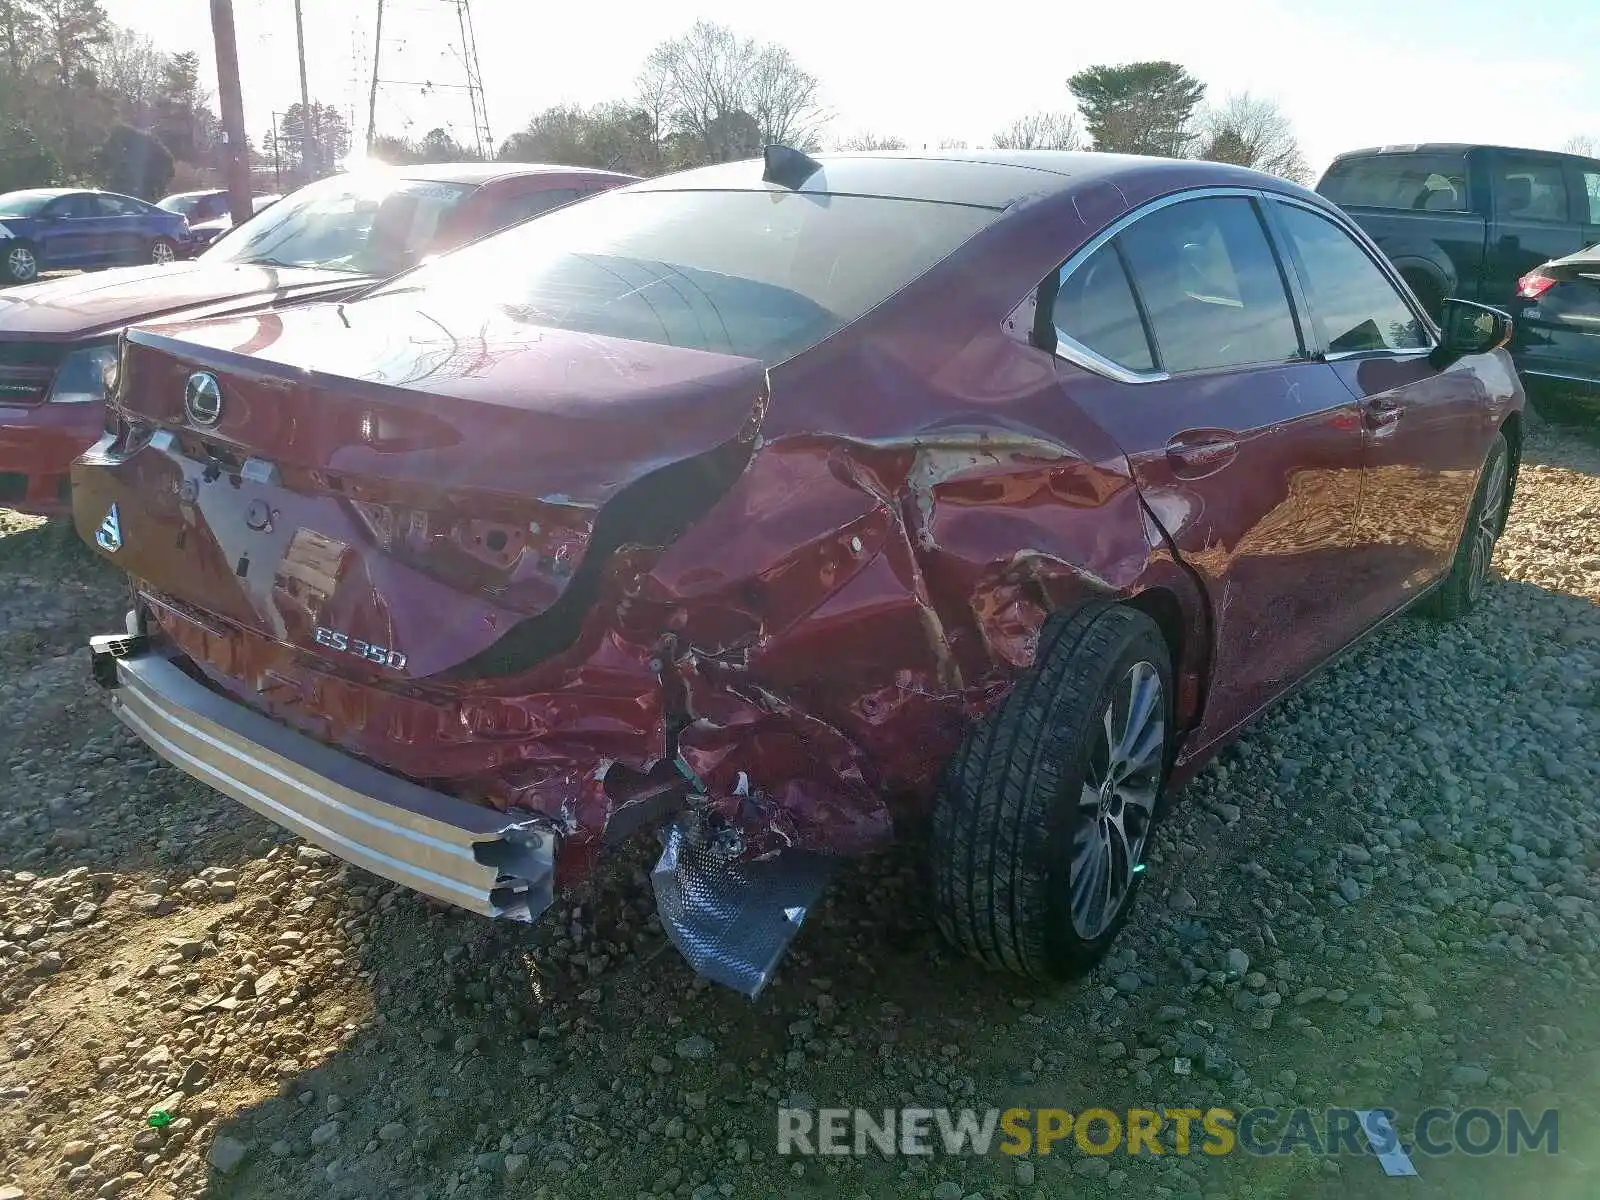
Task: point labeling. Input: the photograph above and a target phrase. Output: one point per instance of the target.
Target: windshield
(367, 224)
(762, 274)
(183, 205)
(25, 204)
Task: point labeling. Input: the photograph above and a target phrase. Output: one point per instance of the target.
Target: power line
(464, 53)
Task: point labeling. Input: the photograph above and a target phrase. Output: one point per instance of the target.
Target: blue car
(47, 229)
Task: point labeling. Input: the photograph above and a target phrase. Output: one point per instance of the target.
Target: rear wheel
(21, 262)
(1463, 587)
(163, 250)
(1043, 816)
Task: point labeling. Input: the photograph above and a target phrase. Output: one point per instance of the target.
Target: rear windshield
(762, 274)
(1419, 182)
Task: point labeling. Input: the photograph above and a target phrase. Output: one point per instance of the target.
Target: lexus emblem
(202, 398)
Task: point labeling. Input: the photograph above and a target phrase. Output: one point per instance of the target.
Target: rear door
(123, 231)
(1424, 431)
(1180, 339)
(1534, 219)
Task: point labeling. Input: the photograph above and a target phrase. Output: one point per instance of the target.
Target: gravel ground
(1383, 897)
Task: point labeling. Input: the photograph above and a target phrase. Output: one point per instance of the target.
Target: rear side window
(1419, 182)
(116, 206)
(510, 209)
(764, 274)
(1356, 305)
(1211, 286)
(1095, 308)
(1529, 190)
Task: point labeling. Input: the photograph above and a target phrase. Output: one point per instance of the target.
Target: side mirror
(1470, 329)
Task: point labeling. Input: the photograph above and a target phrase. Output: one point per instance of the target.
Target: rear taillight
(1533, 285)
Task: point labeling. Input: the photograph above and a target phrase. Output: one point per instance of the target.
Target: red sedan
(771, 503)
(331, 239)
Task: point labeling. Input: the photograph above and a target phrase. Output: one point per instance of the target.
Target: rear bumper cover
(466, 855)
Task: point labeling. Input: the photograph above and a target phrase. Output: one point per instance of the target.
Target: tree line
(711, 95)
(84, 101)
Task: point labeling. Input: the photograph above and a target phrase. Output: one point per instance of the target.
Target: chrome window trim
(1071, 350)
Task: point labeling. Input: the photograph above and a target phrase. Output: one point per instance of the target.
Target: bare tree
(718, 96)
(867, 140)
(1252, 132)
(1582, 143)
(132, 70)
(1041, 131)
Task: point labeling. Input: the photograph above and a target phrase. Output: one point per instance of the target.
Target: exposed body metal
(461, 853)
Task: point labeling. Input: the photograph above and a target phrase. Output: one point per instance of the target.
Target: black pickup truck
(1468, 221)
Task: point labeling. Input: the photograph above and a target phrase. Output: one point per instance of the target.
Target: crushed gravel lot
(1384, 896)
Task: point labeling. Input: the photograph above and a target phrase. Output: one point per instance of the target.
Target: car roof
(46, 191)
(199, 192)
(985, 178)
(481, 173)
(1454, 148)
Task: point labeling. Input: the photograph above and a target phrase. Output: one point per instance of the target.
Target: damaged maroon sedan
(773, 504)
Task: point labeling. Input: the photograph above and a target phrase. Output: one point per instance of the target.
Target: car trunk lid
(427, 484)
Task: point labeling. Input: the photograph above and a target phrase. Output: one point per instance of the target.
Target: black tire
(1012, 802)
(10, 261)
(163, 250)
(1486, 521)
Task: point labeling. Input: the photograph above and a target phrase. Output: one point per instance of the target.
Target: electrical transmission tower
(456, 69)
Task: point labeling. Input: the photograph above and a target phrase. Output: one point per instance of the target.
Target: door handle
(1381, 411)
(1200, 452)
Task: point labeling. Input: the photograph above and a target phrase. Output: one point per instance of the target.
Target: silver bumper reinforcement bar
(474, 857)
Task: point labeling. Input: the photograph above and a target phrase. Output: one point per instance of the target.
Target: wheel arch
(1175, 605)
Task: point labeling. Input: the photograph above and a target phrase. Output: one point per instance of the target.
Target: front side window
(1418, 182)
(1530, 191)
(1352, 300)
(763, 274)
(74, 207)
(376, 224)
(1211, 286)
(1095, 308)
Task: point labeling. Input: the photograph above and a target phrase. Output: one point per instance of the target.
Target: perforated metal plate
(732, 922)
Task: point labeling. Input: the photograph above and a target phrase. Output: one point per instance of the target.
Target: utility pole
(372, 100)
(310, 142)
(277, 159)
(232, 102)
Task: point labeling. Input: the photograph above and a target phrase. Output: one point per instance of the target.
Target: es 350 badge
(336, 640)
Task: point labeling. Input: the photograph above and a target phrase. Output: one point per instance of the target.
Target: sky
(1352, 74)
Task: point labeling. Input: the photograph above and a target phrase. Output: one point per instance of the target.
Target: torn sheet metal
(732, 920)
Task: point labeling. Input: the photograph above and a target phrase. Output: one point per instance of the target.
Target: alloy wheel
(1491, 516)
(162, 253)
(24, 266)
(1118, 801)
